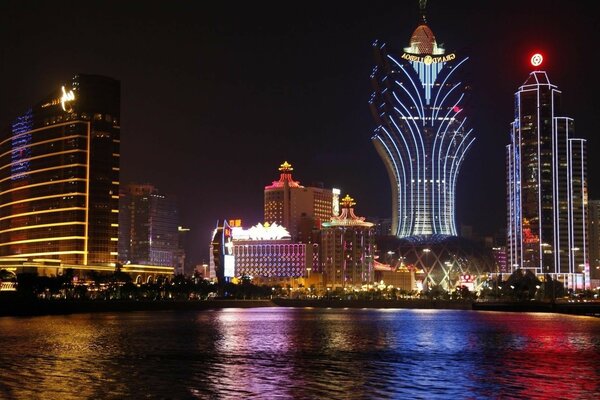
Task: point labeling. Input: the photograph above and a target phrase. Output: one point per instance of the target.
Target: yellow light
(48, 253)
(44, 184)
(114, 239)
(114, 253)
(114, 225)
(42, 226)
(114, 197)
(114, 211)
(115, 182)
(66, 98)
(42, 170)
(58, 153)
(43, 129)
(54, 260)
(43, 212)
(43, 240)
(40, 143)
(43, 198)
(116, 155)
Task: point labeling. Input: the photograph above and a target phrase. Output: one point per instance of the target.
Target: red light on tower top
(536, 59)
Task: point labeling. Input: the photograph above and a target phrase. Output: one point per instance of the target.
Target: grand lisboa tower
(421, 131)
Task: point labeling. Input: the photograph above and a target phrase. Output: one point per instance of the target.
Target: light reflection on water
(300, 353)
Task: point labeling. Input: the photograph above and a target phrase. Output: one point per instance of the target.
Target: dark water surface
(300, 353)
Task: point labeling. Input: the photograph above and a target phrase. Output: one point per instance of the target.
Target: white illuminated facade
(262, 251)
(547, 187)
(421, 134)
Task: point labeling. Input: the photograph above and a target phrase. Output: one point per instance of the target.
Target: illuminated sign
(536, 60)
(261, 232)
(429, 59)
(66, 98)
(336, 201)
(229, 267)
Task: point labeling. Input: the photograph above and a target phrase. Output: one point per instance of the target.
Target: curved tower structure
(421, 132)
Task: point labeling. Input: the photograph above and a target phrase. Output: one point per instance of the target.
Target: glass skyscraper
(148, 226)
(546, 186)
(421, 134)
(59, 177)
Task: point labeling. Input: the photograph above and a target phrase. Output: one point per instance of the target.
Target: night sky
(216, 96)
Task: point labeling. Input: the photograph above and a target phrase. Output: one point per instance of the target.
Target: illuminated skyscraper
(297, 208)
(148, 226)
(347, 246)
(594, 229)
(546, 185)
(59, 177)
(421, 134)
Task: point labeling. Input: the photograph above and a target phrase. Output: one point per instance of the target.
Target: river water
(273, 353)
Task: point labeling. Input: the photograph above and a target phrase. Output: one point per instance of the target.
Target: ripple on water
(301, 353)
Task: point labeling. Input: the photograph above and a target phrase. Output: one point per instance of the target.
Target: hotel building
(347, 245)
(297, 208)
(546, 186)
(421, 132)
(59, 182)
(59, 176)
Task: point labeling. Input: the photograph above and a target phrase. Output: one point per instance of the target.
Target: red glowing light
(456, 109)
(536, 59)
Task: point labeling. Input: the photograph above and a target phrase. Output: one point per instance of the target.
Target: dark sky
(216, 96)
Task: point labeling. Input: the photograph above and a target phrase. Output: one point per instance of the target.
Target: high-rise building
(594, 236)
(297, 208)
(148, 226)
(59, 178)
(547, 186)
(347, 245)
(421, 134)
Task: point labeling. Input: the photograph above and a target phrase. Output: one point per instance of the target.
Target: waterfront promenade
(19, 307)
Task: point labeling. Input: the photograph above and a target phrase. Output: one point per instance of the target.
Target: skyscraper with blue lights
(421, 134)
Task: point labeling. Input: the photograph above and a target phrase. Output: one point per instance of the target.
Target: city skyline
(237, 90)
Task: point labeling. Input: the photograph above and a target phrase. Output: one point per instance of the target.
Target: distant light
(536, 59)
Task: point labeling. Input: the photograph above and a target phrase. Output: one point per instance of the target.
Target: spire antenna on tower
(423, 11)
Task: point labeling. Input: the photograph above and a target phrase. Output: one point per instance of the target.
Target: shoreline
(35, 307)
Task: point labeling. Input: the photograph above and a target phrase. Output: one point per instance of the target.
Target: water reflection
(300, 353)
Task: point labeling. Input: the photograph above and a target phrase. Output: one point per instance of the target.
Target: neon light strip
(20, 228)
(42, 156)
(74, 122)
(43, 212)
(30, 145)
(42, 198)
(41, 170)
(43, 184)
(48, 239)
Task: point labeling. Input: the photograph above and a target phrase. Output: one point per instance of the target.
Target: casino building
(300, 209)
(422, 136)
(421, 132)
(264, 252)
(59, 181)
(347, 249)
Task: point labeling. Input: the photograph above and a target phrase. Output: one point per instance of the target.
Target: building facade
(59, 178)
(421, 133)
(347, 246)
(546, 186)
(262, 252)
(594, 239)
(297, 208)
(148, 227)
